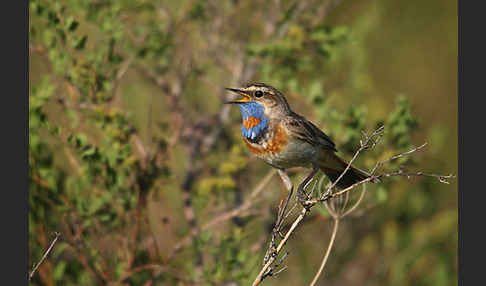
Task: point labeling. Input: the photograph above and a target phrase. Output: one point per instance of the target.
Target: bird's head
(261, 96)
(259, 104)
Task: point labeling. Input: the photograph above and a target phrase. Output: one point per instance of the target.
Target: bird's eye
(258, 93)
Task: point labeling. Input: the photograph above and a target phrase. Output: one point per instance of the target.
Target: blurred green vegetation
(132, 154)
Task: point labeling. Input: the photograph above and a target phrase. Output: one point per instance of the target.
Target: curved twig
(328, 251)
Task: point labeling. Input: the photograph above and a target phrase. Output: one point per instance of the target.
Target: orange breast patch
(251, 122)
(275, 145)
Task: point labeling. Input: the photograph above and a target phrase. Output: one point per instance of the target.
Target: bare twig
(51, 246)
(286, 180)
(328, 251)
(442, 178)
(379, 164)
(280, 216)
(337, 214)
(243, 207)
(351, 209)
(369, 142)
(140, 147)
(267, 269)
(283, 204)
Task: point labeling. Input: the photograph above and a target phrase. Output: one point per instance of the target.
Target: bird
(284, 139)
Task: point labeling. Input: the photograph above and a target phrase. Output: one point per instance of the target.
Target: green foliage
(401, 122)
(99, 192)
(231, 259)
(296, 57)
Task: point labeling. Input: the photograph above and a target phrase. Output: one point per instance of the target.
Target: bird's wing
(307, 131)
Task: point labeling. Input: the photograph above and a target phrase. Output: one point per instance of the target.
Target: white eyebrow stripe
(253, 88)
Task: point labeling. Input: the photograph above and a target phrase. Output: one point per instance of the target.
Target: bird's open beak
(246, 97)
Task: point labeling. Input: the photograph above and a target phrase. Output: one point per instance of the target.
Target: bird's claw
(302, 196)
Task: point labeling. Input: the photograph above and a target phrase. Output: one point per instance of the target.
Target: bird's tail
(333, 167)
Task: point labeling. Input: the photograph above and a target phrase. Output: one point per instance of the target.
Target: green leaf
(71, 24)
(381, 194)
(59, 270)
(79, 140)
(80, 43)
(88, 152)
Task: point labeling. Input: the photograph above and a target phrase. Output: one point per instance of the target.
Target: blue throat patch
(252, 109)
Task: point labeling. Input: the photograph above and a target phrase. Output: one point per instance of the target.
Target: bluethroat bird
(285, 139)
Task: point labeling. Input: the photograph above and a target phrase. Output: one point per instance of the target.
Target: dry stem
(328, 251)
(51, 246)
(267, 270)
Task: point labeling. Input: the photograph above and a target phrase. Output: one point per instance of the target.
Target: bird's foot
(302, 195)
(303, 198)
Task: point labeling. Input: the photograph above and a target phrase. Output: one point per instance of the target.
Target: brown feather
(307, 131)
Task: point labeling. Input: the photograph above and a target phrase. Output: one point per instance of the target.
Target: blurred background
(140, 167)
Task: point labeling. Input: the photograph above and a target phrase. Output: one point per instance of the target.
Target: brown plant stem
(264, 271)
(328, 251)
(51, 246)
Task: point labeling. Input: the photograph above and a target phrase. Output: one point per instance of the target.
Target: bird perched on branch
(284, 139)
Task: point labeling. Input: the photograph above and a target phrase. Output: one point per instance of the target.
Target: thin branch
(337, 215)
(73, 244)
(267, 269)
(280, 217)
(328, 251)
(286, 180)
(136, 231)
(51, 246)
(379, 164)
(283, 204)
(350, 210)
(297, 8)
(243, 207)
(442, 178)
(369, 142)
(137, 142)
